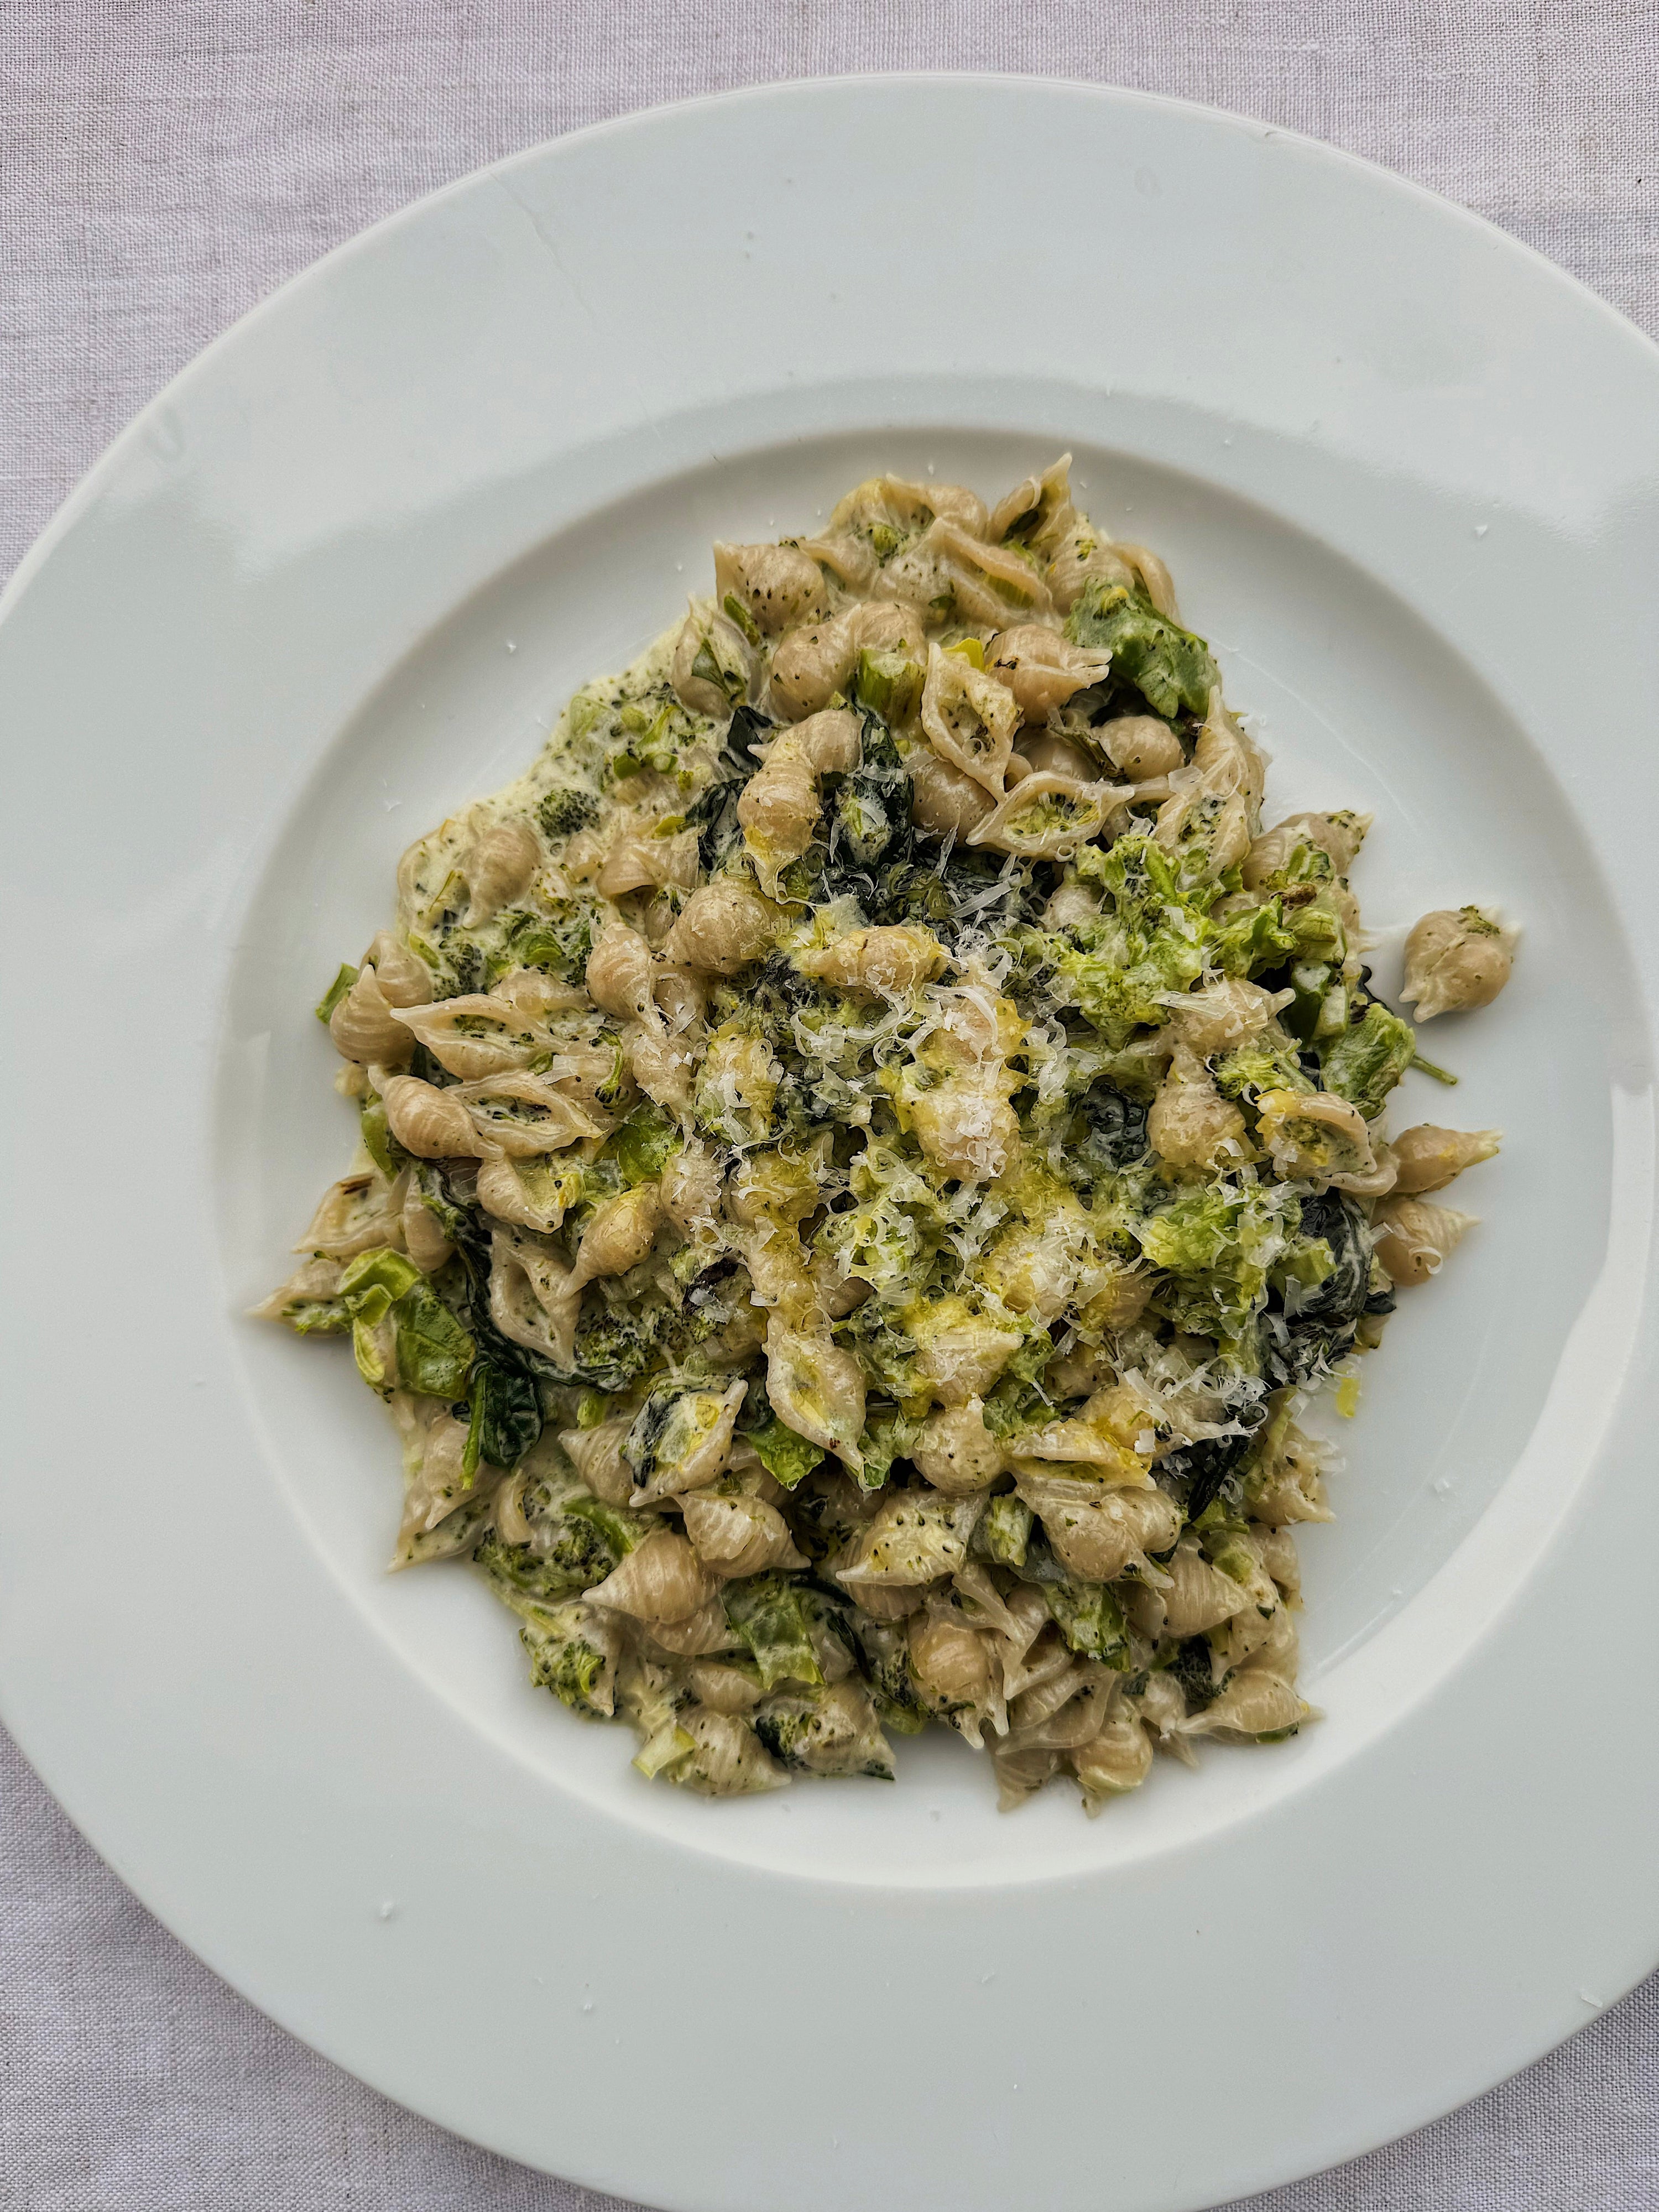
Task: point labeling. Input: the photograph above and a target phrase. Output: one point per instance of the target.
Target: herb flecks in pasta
(867, 1151)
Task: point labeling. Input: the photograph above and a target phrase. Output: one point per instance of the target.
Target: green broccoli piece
(767, 1612)
(557, 941)
(336, 990)
(614, 1344)
(890, 683)
(1168, 666)
(579, 1541)
(561, 813)
(1005, 1531)
(1367, 1059)
(1090, 1619)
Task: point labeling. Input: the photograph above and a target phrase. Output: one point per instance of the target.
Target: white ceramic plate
(339, 578)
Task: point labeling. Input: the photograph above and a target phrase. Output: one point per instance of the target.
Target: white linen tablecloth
(165, 163)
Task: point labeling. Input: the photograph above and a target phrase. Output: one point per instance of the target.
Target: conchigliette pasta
(866, 1152)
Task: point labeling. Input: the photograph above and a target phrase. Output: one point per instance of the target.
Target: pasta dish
(866, 1152)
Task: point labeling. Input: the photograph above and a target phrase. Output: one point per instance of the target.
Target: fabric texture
(164, 164)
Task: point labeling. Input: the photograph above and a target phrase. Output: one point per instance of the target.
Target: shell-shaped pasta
(1097, 1532)
(899, 506)
(889, 963)
(662, 1066)
(723, 1688)
(723, 928)
(1035, 510)
(989, 584)
(498, 866)
(1113, 1761)
(831, 742)
(637, 863)
(1456, 959)
(1061, 1713)
(1141, 745)
(534, 1300)
(1020, 1774)
(529, 1194)
(405, 980)
(433, 1124)
(943, 800)
(700, 1633)
(891, 1602)
(851, 560)
(1229, 764)
(424, 1239)
(816, 1388)
(680, 1440)
(1079, 556)
(357, 1214)
(1152, 576)
(1339, 835)
(597, 1456)
(1050, 752)
(1262, 1637)
(365, 1026)
(1092, 1440)
(726, 1759)
(735, 1536)
(1287, 1483)
(534, 994)
(1427, 1159)
(950, 1661)
(662, 1579)
(1253, 1704)
(917, 1536)
(1190, 1124)
(968, 719)
(829, 1730)
(1196, 1597)
(957, 1453)
(1040, 668)
(713, 664)
(1414, 1237)
(1283, 1562)
(810, 665)
(1161, 1704)
(620, 1233)
(439, 1484)
(475, 1036)
(524, 1115)
(621, 970)
(779, 586)
(778, 811)
(1047, 817)
(1222, 1014)
(1316, 1137)
(966, 1129)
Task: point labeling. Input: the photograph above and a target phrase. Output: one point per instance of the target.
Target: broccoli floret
(579, 1541)
(616, 1343)
(1090, 1619)
(561, 813)
(564, 1659)
(558, 941)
